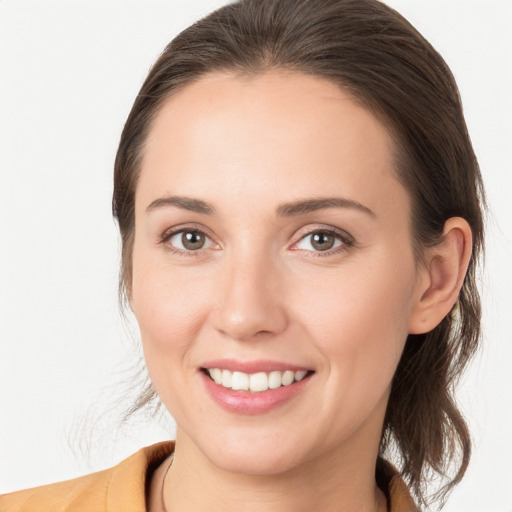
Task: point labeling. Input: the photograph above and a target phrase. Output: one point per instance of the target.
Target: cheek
(360, 323)
(170, 306)
(170, 309)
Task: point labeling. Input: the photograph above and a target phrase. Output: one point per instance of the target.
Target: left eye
(191, 240)
(320, 241)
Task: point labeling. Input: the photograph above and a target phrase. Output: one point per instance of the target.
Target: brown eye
(192, 240)
(322, 241)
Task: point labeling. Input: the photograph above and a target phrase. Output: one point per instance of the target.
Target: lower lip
(245, 402)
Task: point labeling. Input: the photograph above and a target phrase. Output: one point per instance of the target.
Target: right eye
(188, 240)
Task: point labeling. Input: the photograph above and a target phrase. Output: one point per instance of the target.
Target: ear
(441, 276)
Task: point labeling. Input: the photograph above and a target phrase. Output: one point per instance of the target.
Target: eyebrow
(300, 207)
(186, 203)
(311, 205)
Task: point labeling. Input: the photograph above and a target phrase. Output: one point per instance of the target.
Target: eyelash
(346, 240)
(167, 235)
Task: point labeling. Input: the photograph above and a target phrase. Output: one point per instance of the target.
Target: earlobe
(442, 276)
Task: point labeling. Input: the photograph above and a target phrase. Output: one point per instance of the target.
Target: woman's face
(272, 235)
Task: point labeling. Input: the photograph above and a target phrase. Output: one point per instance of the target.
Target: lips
(255, 382)
(253, 387)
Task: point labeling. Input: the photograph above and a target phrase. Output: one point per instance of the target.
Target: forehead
(275, 132)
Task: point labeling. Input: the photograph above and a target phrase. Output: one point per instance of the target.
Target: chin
(254, 462)
(262, 453)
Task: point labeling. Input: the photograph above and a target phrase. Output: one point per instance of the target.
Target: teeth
(240, 381)
(226, 378)
(287, 378)
(300, 375)
(216, 375)
(274, 380)
(258, 382)
(255, 382)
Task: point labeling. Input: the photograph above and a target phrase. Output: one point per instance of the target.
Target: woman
(299, 205)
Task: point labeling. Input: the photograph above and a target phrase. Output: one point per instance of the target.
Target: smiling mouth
(255, 382)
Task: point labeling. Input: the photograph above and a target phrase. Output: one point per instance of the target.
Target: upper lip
(259, 365)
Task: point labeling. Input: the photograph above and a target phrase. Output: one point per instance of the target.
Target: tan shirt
(123, 488)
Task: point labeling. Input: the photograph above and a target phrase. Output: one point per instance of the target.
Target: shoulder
(121, 488)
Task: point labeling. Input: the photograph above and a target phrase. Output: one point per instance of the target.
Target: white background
(69, 72)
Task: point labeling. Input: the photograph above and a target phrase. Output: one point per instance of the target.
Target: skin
(258, 289)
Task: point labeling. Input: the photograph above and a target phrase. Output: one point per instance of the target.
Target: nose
(250, 299)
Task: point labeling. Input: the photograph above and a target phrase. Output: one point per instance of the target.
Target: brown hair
(372, 52)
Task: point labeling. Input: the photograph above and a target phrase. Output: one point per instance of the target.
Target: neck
(339, 480)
